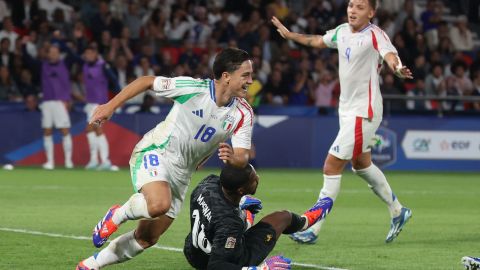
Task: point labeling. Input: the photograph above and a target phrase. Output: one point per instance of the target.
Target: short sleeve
(330, 38)
(242, 135)
(384, 45)
(179, 86)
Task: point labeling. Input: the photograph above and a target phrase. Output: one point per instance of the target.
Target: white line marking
(313, 266)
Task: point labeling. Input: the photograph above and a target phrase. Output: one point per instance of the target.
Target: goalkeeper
(222, 235)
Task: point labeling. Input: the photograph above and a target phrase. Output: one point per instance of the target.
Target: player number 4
(205, 135)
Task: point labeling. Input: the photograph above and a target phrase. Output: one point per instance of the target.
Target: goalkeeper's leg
(130, 244)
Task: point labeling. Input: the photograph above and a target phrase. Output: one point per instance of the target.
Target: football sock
(121, 249)
(298, 223)
(331, 188)
(103, 149)
(48, 144)
(134, 208)
(67, 148)
(378, 183)
(93, 145)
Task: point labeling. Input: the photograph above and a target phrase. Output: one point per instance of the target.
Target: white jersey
(360, 60)
(195, 126)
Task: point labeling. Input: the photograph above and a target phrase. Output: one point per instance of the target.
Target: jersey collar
(212, 91)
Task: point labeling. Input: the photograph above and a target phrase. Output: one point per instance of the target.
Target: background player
(362, 48)
(221, 237)
(56, 87)
(96, 75)
(204, 115)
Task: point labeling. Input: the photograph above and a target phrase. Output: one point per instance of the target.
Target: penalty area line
(306, 265)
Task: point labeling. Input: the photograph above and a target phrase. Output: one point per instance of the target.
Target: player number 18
(205, 135)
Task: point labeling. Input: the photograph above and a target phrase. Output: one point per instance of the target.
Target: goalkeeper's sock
(298, 223)
(331, 188)
(134, 208)
(378, 183)
(121, 249)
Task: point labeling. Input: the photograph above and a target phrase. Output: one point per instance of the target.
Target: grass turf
(445, 224)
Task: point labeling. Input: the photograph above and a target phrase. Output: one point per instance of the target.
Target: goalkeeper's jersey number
(199, 240)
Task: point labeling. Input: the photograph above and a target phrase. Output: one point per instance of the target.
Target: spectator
(188, 58)
(51, 5)
(224, 30)
(6, 56)
(122, 70)
(133, 21)
(435, 81)
(458, 84)
(461, 36)
(9, 32)
(24, 13)
(418, 91)
(300, 88)
(323, 91)
(180, 25)
(200, 31)
(4, 10)
(31, 103)
(276, 92)
(8, 88)
(391, 87)
(26, 86)
(476, 89)
(261, 66)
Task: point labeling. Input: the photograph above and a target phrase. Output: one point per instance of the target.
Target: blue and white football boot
(398, 223)
(471, 263)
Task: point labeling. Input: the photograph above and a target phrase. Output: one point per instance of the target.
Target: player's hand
(225, 152)
(284, 32)
(251, 204)
(403, 72)
(101, 114)
(277, 263)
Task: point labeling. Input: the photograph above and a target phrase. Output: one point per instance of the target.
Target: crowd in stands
(181, 38)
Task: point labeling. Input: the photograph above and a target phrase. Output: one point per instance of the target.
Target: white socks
(103, 148)
(67, 149)
(121, 249)
(48, 144)
(134, 208)
(378, 183)
(331, 188)
(93, 145)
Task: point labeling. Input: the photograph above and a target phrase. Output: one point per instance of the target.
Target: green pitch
(46, 217)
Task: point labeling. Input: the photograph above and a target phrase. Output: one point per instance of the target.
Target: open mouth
(245, 87)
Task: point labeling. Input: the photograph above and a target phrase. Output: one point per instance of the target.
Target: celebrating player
(362, 48)
(204, 115)
(222, 235)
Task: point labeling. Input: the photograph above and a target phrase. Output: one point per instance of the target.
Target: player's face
(359, 14)
(240, 79)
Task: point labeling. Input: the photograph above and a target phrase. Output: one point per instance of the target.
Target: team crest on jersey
(231, 241)
(228, 123)
(153, 173)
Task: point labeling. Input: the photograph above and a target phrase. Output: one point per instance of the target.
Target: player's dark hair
(233, 178)
(228, 60)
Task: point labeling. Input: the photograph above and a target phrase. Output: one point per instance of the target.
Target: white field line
(306, 265)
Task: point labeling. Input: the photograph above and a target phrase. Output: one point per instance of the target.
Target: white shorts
(89, 109)
(354, 137)
(149, 165)
(54, 114)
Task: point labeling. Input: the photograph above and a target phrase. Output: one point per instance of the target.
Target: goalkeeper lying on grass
(222, 235)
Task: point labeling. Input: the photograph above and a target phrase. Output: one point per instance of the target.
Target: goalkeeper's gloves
(251, 204)
(273, 263)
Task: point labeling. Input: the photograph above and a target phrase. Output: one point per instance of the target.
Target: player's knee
(278, 217)
(158, 208)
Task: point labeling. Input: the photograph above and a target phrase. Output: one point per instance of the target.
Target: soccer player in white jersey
(362, 48)
(205, 114)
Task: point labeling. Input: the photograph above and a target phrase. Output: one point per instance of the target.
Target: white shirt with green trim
(360, 61)
(195, 126)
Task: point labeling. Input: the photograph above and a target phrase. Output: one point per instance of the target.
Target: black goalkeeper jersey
(216, 239)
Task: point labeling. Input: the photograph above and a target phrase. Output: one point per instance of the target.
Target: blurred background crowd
(438, 40)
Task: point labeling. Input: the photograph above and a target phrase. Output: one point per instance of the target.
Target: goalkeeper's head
(242, 181)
